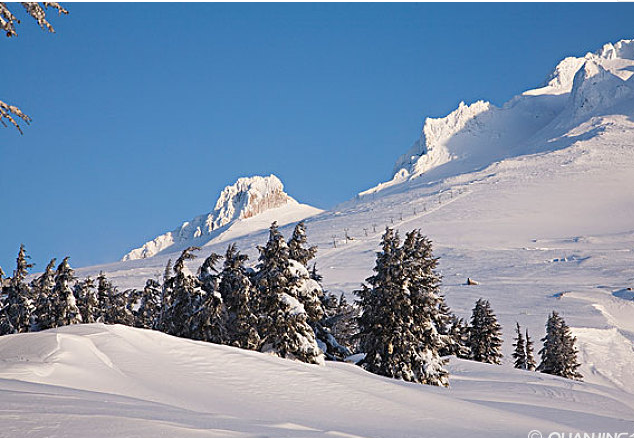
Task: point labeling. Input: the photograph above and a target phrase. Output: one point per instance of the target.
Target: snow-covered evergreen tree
(147, 312)
(16, 313)
(282, 319)
(559, 355)
(186, 294)
(519, 353)
(166, 297)
(398, 326)
(42, 288)
(209, 316)
(485, 334)
(65, 308)
(530, 358)
(104, 293)
(87, 300)
(343, 324)
(459, 333)
(297, 246)
(237, 291)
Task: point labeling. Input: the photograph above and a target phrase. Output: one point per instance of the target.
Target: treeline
(278, 306)
(400, 323)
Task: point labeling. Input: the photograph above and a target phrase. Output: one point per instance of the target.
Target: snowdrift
(95, 380)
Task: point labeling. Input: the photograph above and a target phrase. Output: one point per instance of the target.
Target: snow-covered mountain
(246, 198)
(477, 135)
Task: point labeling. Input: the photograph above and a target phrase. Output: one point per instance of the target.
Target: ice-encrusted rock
(427, 151)
(246, 198)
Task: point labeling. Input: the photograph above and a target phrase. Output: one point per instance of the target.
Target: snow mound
(103, 381)
(247, 198)
(481, 134)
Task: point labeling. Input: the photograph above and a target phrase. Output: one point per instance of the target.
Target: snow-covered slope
(477, 135)
(247, 198)
(115, 381)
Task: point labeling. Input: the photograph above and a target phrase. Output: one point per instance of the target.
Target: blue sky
(142, 113)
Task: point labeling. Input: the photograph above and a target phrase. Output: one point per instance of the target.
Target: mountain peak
(474, 136)
(246, 198)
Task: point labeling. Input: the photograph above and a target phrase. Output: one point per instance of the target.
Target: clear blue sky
(142, 113)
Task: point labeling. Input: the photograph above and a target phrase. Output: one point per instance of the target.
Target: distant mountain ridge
(246, 198)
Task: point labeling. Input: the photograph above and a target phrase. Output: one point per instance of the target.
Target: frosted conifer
(208, 321)
(519, 354)
(297, 245)
(530, 359)
(485, 334)
(237, 293)
(559, 355)
(65, 308)
(17, 307)
(87, 300)
(401, 313)
(42, 288)
(282, 319)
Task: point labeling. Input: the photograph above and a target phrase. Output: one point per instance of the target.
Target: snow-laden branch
(7, 112)
(8, 22)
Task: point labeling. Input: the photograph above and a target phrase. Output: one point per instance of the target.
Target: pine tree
(185, 296)
(237, 291)
(459, 335)
(485, 334)
(147, 313)
(65, 308)
(297, 249)
(166, 297)
(401, 313)
(104, 293)
(42, 288)
(559, 355)
(343, 324)
(530, 359)
(17, 307)
(282, 320)
(519, 354)
(208, 321)
(86, 300)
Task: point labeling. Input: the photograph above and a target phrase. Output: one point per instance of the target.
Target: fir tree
(17, 307)
(104, 294)
(530, 359)
(165, 300)
(185, 297)
(519, 354)
(458, 332)
(343, 324)
(147, 313)
(65, 308)
(282, 319)
(485, 334)
(401, 313)
(42, 288)
(297, 249)
(237, 291)
(208, 321)
(559, 355)
(86, 300)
